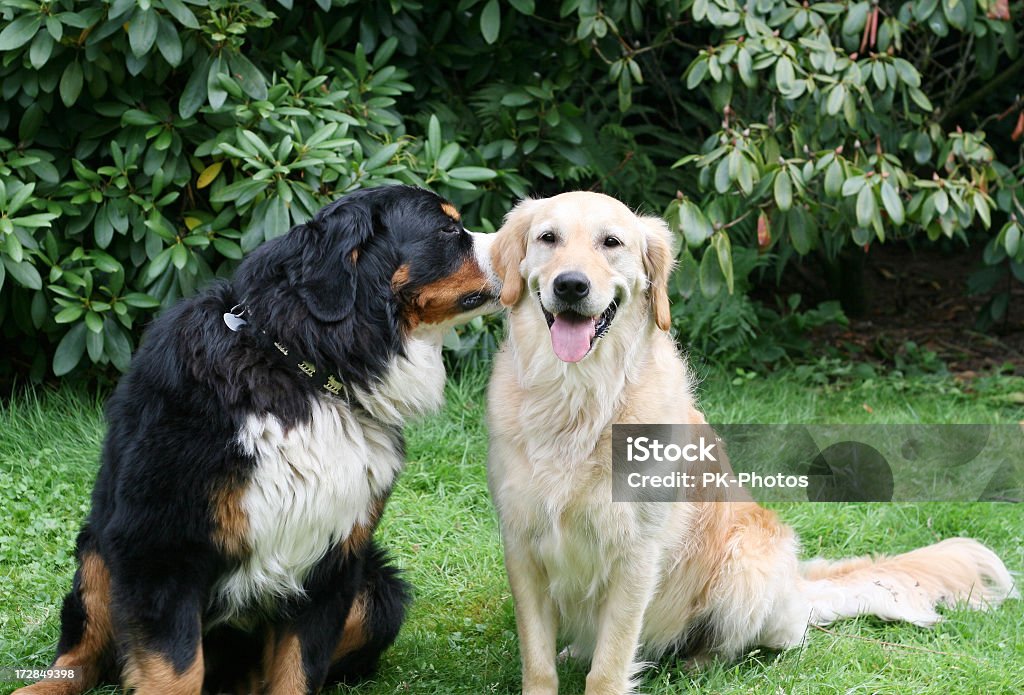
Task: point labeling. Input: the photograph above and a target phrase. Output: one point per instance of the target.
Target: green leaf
(919, 98)
(923, 9)
(907, 72)
(783, 190)
(42, 47)
(723, 178)
(836, 96)
(69, 350)
(179, 256)
(694, 224)
(277, 218)
(861, 236)
(856, 18)
(71, 83)
(24, 273)
(472, 173)
(490, 21)
(834, 178)
(516, 98)
(744, 66)
(784, 74)
(142, 31)
(922, 148)
(433, 144)
(139, 118)
(697, 71)
(217, 94)
(157, 266)
(686, 274)
(867, 206)
(799, 235)
(984, 213)
(449, 153)
(381, 156)
(853, 185)
(745, 175)
(20, 31)
(104, 261)
(228, 248)
(180, 12)
(140, 300)
(168, 42)
(956, 13)
(194, 94)
(93, 321)
(710, 273)
(258, 145)
(723, 249)
(38, 220)
(893, 204)
(878, 74)
(249, 77)
(526, 7)
(69, 314)
(1011, 239)
(94, 340)
(116, 343)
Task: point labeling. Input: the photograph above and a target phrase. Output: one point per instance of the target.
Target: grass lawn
(440, 526)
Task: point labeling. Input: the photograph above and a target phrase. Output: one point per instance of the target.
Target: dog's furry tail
(86, 644)
(910, 586)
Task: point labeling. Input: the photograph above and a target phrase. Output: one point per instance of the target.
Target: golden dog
(587, 348)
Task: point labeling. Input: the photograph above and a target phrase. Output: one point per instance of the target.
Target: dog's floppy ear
(658, 263)
(330, 256)
(509, 250)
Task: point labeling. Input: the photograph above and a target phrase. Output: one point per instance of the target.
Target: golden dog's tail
(910, 586)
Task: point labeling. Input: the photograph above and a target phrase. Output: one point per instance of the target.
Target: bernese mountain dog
(251, 449)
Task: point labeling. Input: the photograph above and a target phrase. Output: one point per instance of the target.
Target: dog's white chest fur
(312, 484)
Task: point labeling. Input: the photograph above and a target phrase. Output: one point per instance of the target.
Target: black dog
(250, 452)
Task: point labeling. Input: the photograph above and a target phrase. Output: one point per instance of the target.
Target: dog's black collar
(235, 321)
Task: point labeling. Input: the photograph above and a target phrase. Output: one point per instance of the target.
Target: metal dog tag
(234, 322)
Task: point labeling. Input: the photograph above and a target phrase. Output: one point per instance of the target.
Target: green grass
(440, 527)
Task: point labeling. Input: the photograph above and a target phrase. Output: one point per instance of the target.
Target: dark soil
(921, 296)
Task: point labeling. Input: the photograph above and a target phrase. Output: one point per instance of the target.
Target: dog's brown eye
(612, 242)
(547, 238)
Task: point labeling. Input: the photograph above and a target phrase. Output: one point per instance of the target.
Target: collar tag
(233, 319)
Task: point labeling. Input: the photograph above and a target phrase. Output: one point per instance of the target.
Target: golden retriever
(588, 347)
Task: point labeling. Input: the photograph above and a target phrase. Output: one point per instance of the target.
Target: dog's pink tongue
(570, 337)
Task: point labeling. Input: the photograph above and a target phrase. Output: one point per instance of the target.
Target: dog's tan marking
(401, 277)
(283, 661)
(359, 537)
(355, 634)
(231, 523)
(439, 301)
(149, 673)
(90, 656)
(451, 211)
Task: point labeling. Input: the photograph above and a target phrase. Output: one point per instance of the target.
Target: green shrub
(147, 145)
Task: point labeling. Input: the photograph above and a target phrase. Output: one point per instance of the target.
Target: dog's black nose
(572, 286)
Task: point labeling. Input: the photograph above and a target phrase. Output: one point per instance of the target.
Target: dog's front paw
(609, 685)
(540, 684)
